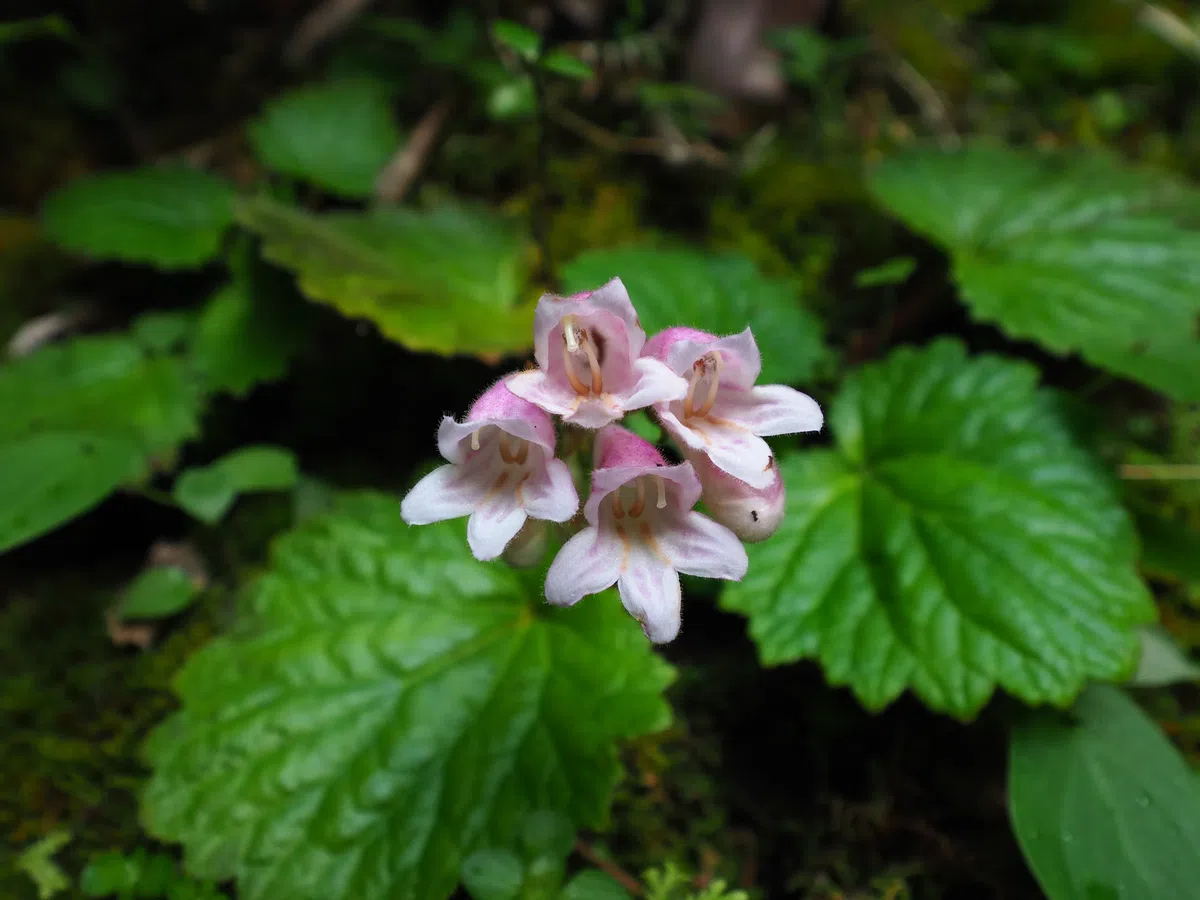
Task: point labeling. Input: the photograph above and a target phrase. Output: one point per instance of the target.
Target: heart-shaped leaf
(957, 540)
(391, 705)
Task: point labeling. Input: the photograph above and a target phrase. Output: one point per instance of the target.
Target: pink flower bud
(753, 514)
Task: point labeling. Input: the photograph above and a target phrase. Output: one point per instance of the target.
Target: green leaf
(158, 593)
(1170, 548)
(52, 25)
(1102, 804)
(170, 217)
(111, 873)
(1162, 661)
(492, 875)
(79, 419)
(957, 539)
(247, 334)
(1074, 252)
(592, 884)
(391, 705)
(208, 492)
(547, 832)
(894, 271)
(445, 280)
(560, 62)
(38, 863)
(338, 136)
(521, 40)
(512, 98)
(715, 293)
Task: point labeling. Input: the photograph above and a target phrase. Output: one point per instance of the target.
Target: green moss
(74, 711)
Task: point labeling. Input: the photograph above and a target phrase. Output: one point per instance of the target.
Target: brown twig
(410, 158)
(1165, 472)
(671, 151)
(319, 25)
(610, 868)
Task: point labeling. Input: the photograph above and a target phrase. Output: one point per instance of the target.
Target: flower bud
(753, 514)
(528, 548)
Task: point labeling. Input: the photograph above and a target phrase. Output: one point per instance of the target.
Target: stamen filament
(661, 503)
(594, 364)
(713, 386)
(691, 394)
(639, 503)
(568, 365)
(474, 440)
(617, 509)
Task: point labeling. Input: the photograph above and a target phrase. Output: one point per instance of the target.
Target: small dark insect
(754, 515)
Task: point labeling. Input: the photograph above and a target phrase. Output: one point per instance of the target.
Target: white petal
(770, 409)
(541, 391)
(550, 494)
(650, 592)
(656, 383)
(729, 446)
(495, 521)
(445, 493)
(592, 412)
(587, 564)
(696, 545)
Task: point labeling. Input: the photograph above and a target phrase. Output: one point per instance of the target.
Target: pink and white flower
(723, 414)
(753, 514)
(591, 370)
(501, 471)
(641, 534)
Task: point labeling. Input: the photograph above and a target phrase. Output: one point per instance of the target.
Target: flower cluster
(594, 364)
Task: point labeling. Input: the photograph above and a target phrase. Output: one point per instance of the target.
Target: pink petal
(587, 564)
(696, 545)
(741, 360)
(612, 297)
(770, 409)
(636, 459)
(616, 446)
(656, 383)
(551, 494)
(496, 520)
(727, 444)
(650, 592)
(538, 389)
(445, 493)
(660, 345)
(499, 404)
(593, 412)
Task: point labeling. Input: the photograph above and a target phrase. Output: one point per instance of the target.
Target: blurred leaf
(247, 334)
(492, 875)
(547, 832)
(44, 26)
(521, 40)
(171, 217)
(80, 418)
(1162, 660)
(560, 62)
(1102, 804)
(338, 136)
(1170, 548)
(369, 641)
(445, 280)
(38, 863)
(1077, 253)
(592, 884)
(958, 539)
(513, 98)
(806, 52)
(162, 332)
(158, 593)
(208, 492)
(894, 271)
(111, 873)
(715, 293)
